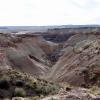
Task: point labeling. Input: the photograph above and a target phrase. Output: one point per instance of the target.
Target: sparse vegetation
(95, 90)
(19, 92)
(4, 83)
(42, 88)
(25, 85)
(20, 83)
(52, 98)
(86, 46)
(35, 98)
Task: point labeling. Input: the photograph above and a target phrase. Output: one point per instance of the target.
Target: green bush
(19, 92)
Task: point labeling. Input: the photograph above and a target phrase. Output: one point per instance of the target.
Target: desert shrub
(84, 85)
(95, 90)
(19, 92)
(49, 89)
(93, 77)
(6, 99)
(35, 98)
(17, 98)
(52, 98)
(20, 83)
(85, 71)
(4, 84)
(44, 88)
(34, 85)
(86, 46)
(54, 89)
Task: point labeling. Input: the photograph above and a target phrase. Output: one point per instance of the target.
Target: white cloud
(49, 12)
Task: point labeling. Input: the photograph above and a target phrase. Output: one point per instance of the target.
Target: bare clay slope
(79, 63)
(28, 53)
(31, 55)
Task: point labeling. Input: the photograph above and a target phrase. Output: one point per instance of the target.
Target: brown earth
(74, 59)
(62, 56)
(79, 62)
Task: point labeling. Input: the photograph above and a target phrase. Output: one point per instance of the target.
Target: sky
(49, 12)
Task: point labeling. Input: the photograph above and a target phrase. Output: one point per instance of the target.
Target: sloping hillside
(55, 55)
(79, 62)
(28, 54)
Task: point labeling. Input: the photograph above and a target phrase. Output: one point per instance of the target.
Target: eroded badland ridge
(62, 55)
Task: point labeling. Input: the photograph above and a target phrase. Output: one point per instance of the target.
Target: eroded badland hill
(64, 56)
